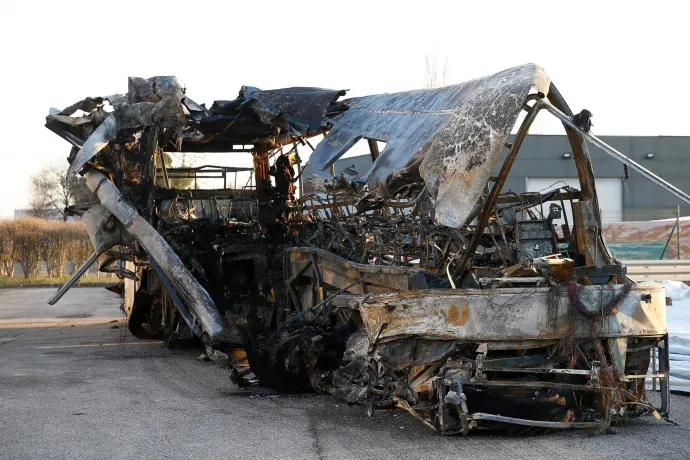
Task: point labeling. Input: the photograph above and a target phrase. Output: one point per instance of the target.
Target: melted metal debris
(452, 137)
(417, 284)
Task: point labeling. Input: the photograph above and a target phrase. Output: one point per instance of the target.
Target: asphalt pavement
(74, 384)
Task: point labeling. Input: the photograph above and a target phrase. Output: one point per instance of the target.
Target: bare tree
(52, 190)
(435, 76)
(40, 191)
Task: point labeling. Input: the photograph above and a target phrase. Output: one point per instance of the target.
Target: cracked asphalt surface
(73, 386)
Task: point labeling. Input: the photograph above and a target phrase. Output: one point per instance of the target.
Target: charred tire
(142, 321)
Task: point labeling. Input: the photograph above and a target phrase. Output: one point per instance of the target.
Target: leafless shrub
(27, 241)
(79, 246)
(30, 241)
(55, 247)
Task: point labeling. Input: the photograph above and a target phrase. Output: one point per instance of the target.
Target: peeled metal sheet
(512, 314)
(96, 142)
(452, 137)
(303, 109)
(157, 100)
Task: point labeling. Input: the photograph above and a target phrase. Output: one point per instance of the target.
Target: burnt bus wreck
(420, 283)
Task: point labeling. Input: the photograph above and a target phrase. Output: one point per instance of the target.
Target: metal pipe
(74, 278)
(668, 240)
(678, 193)
(653, 350)
(537, 423)
(678, 231)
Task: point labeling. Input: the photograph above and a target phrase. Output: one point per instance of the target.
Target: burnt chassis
(454, 358)
(459, 359)
(464, 358)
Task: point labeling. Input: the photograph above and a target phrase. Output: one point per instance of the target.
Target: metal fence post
(678, 234)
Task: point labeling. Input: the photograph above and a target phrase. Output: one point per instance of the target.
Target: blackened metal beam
(74, 278)
(182, 310)
(373, 149)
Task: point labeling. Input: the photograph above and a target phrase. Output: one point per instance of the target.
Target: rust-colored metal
(261, 170)
(583, 162)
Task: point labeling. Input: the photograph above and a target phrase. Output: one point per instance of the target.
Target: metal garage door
(609, 191)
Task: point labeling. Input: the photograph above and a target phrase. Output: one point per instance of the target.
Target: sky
(626, 62)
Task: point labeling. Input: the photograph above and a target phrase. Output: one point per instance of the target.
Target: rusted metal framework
(420, 283)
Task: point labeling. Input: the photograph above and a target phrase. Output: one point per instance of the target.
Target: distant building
(52, 214)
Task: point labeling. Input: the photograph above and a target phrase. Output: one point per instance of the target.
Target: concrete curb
(54, 285)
